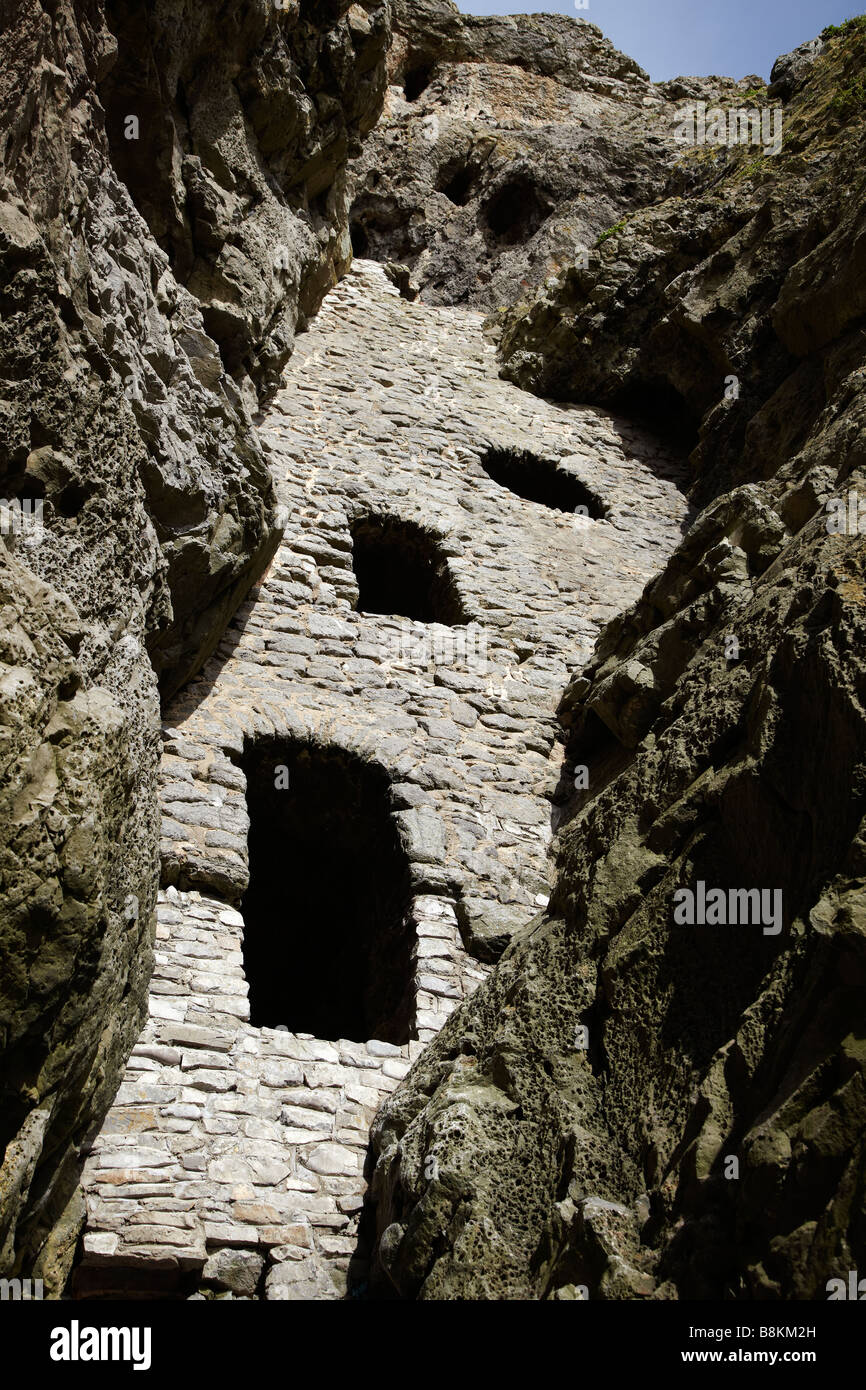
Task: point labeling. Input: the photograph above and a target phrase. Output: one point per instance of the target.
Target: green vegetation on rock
(612, 231)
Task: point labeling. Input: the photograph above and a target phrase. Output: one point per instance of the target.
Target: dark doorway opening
(539, 480)
(402, 572)
(328, 939)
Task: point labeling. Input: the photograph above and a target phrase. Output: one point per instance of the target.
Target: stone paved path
(236, 1153)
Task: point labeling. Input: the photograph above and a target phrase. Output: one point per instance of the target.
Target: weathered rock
(634, 1106)
(507, 144)
(489, 928)
(239, 169)
(626, 1105)
(238, 1271)
(712, 312)
(789, 70)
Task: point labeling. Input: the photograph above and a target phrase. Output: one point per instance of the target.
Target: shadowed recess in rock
(516, 211)
(659, 406)
(456, 181)
(375, 237)
(401, 570)
(417, 81)
(328, 938)
(360, 240)
(540, 480)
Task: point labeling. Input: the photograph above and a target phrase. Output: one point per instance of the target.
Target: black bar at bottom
(68, 1338)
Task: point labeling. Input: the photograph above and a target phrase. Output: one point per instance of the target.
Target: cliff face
(507, 146)
(629, 1105)
(167, 217)
(248, 118)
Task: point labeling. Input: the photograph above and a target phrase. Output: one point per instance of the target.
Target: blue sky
(731, 38)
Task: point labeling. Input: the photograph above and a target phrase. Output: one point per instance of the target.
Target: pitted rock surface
(229, 1138)
(509, 147)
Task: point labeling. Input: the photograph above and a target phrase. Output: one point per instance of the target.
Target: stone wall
(595, 1100)
(233, 1158)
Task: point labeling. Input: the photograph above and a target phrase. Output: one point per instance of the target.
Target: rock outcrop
(172, 205)
(507, 147)
(631, 1107)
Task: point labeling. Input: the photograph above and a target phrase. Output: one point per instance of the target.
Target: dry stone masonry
(233, 1159)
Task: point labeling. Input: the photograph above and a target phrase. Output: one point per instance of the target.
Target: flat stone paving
(236, 1153)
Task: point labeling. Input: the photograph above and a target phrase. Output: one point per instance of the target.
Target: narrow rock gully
(357, 789)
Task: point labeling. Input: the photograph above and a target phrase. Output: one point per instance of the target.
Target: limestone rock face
(507, 147)
(246, 118)
(713, 311)
(630, 1107)
(133, 345)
